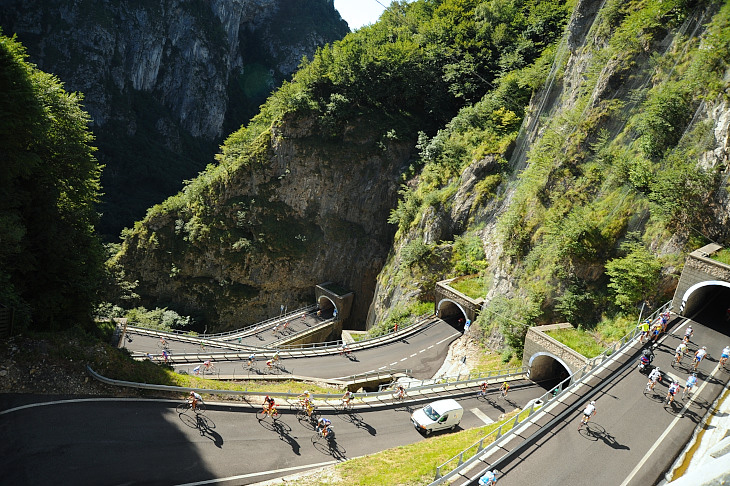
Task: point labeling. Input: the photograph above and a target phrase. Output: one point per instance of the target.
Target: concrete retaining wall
(541, 353)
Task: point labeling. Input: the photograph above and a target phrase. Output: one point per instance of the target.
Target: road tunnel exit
(547, 370)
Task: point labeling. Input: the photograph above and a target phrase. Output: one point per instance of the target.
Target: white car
(439, 415)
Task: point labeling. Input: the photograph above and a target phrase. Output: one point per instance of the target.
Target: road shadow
(205, 426)
(329, 447)
(596, 432)
(284, 431)
(356, 420)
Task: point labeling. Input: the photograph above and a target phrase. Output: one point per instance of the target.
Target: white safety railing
(464, 458)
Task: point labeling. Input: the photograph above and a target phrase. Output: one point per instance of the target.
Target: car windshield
(431, 413)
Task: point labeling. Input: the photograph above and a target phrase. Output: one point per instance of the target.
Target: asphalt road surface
(117, 441)
(635, 436)
(422, 352)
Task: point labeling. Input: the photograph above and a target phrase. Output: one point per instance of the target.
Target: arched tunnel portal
(548, 370)
(708, 303)
(326, 307)
(452, 312)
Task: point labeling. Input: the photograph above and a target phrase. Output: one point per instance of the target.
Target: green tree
(50, 258)
(633, 277)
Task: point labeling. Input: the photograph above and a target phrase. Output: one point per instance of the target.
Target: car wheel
(428, 432)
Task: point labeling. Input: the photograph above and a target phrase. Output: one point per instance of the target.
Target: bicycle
(267, 412)
(187, 405)
(399, 393)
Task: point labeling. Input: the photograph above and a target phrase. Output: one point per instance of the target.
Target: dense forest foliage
(612, 192)
(51, 261)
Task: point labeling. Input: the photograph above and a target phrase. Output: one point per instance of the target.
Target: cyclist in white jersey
(699, 355)
(653, 377)
(489, 479)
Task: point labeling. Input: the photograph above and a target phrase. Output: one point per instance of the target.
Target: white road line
(84, 400)
(262, 473)
(421, 351)
(393, 363)
(403, 359)
(666, 432)
(382, 368)
(430, 347)
(413, 355)
(481, 416)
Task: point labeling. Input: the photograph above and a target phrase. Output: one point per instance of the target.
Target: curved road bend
(635, 436)
(118, 441)
(423, 352)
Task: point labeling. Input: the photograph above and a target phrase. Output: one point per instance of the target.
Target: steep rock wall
(163, 81)
(310, 212)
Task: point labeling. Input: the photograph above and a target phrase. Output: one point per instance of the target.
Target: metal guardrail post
(461, 459)
(499, 432)
(481, 445)
(438, 473)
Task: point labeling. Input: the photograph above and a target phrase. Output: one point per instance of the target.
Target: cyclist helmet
(657, 368)
(593, 402)
(704, 347)
(694, 374)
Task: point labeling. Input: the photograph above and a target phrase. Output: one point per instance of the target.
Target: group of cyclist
(503, 389)
(681, 350)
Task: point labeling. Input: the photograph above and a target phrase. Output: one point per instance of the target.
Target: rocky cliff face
(571, 106)
(165, 80)
(308, 213)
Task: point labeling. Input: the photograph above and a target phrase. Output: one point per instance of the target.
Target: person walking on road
(588, 412)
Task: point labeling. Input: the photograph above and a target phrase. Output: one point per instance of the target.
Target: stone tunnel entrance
(708, 303)
(547, 370)
(452, 312)
(326, 307)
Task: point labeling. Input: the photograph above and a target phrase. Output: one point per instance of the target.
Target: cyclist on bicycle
(656, 329)
(688, 334)
(724, 355)
(504, 388)
(689, 384)
(347, 398)
(673, 389)
(483, 388)
(653, 377)
(489, 479)
(323, 426)
(208, 364)
(680, 351)
(400, 391)
(194, 398)
(588, 412)
(251, 359)
(664, 319)
(270, 401)
(275, 357)
(699, 355)
(163, 342)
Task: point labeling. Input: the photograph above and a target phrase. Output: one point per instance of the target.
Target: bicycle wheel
(182, 408)
(261, 414)
(275, 414)
(200, 408)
